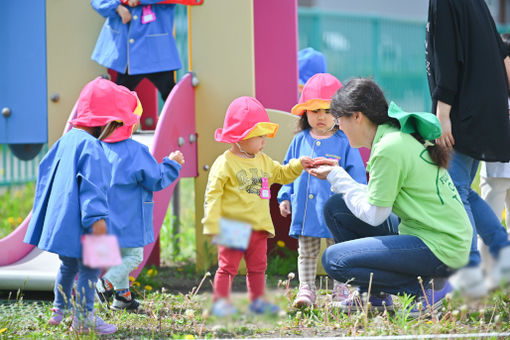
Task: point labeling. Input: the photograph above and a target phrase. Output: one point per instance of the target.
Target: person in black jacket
(469, 73)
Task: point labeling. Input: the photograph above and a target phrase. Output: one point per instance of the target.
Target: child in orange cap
(71, 198)
(238, 189)
(135, 176)
(318, 136)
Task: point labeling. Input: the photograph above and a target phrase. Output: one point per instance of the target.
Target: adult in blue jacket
(138, 42)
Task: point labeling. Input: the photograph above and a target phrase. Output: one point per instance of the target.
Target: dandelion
(3, 330)
(291, 275)
(10, 220)
(19, 220)
(131, 279)
(189, 313)
(136, 283)
(280, 243)
(189, 336)
(152, 272)
(179, 269)
(148, 287)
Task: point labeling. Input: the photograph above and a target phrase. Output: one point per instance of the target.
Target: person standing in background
(137, 41)
(469, 71)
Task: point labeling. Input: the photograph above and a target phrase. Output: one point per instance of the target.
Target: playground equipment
(257, 58)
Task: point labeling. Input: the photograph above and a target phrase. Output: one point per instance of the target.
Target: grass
(176, 300)
(186, 315)
(15, 204)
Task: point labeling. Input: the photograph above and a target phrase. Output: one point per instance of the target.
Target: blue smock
(308, 194)
(70, 194)
(135, 176)
(136, 48)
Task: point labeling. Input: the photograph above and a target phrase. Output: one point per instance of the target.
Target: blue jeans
(85, 287)
(462, 170)
(395, 260)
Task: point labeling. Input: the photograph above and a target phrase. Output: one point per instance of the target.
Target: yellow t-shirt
(233, 190)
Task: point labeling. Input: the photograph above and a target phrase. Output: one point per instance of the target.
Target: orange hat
(102, 101)
(245, 118)
(317, 93)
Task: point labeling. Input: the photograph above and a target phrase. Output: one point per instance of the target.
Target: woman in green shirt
(408, 222)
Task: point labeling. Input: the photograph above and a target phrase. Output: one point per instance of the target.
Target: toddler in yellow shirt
(238, 190)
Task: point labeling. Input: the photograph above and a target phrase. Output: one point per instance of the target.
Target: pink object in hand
(100, 251)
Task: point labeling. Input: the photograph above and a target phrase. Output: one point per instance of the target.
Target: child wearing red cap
(238, 189)
(318, 136)
(135, 176)
(71, 198)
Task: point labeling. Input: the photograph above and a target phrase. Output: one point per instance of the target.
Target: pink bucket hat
(245, 118)
(102, 101)
(125, 131)
(317, 93)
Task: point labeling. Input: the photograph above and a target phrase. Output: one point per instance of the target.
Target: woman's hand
(285, 208)
(322, 171)
(99, 227)
(443, 115)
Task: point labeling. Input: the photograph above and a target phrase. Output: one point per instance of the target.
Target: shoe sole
(127, 309)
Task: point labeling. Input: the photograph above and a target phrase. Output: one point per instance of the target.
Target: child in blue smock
(318, 137)
(70, 198)
(135, 176)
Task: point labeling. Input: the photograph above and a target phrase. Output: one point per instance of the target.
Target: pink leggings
(256, 262)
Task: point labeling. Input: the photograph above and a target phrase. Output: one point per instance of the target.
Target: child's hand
(322, 171)
(99, 227)
(177, 156)
(124, 14)
(324, 161)
(306, 162)
(285, 208)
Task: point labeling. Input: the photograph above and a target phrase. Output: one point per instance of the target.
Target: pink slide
(26, 267)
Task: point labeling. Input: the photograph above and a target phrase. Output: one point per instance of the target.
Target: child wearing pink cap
(318, 136)
(237, 189)
(71, 198)
(136, 174)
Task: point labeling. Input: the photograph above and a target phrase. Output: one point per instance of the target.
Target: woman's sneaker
(222, 308)
(57, 317)
(380, 302)
(92, 324)
(104, 292)
(340, 293)
(260, 306)
(305, 296)
(431, 302)
(122, 303)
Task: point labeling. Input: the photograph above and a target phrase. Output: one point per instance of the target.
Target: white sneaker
(500, 273)
(469, 282)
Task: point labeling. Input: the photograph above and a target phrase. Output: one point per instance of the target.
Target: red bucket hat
(317, 93)
(125, 131)
(245, 118)
(102, 101)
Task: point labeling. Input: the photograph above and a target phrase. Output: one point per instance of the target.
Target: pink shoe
(57, 317)
(305, 297)
(340, 293)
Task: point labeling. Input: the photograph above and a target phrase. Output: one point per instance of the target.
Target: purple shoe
(94, 324)
(340, 293)
(431, 302)
(57, 317)
(378, 303)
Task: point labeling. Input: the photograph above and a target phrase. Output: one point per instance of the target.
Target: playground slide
(26, 267)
